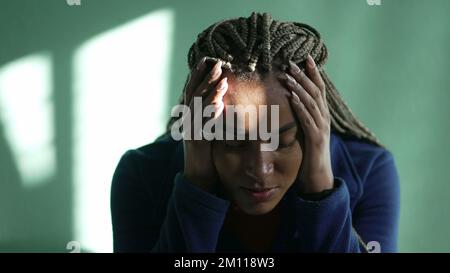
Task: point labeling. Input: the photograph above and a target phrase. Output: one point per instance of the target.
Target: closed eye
(286, 145)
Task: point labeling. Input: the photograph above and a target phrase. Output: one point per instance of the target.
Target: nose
(259, 166)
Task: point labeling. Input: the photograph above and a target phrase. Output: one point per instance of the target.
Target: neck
(255, 232)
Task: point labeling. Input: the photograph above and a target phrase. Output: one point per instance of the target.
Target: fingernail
(200, 63)
(311, 62)
(217, 69)
(295, 97)
(290, 79)
(294, 67)
(223, 85)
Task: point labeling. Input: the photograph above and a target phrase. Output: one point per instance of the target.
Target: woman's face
(254, 180)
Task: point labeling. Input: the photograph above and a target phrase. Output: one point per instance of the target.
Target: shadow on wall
(60, 138)
(35, 147)
(79, 85)
(72, 78)
(70, 81)
(106, 64)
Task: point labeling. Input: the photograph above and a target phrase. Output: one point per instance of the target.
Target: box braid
(258, 43)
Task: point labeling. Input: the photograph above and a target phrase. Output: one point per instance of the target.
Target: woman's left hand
(308, 101)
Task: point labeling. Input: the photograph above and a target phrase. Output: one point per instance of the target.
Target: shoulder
(145, 167)
(365, 156)
(159, 150)
(374, 170)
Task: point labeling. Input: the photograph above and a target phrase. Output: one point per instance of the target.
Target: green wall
(390, 62)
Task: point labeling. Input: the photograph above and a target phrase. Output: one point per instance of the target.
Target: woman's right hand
(208, 84)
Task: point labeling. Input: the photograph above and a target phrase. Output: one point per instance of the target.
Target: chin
(258, 209)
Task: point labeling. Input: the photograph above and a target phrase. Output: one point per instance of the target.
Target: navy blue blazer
(154, 208)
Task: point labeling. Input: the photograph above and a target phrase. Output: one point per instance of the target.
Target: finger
(303, 116)
(209, 82)
(216, 98)
(195, 77)
(314, 74)
(206, 89)
(307, 84)
(306, 100)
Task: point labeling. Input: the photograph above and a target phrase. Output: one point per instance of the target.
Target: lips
(260, 194)
(258, 189)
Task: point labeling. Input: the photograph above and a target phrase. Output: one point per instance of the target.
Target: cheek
(289, 163)
(227, 164)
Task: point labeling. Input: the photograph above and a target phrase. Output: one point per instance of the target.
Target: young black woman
(330, 186)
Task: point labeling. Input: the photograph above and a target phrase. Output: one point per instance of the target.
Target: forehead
(266, 91)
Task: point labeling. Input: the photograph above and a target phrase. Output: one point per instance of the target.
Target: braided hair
(259, 43)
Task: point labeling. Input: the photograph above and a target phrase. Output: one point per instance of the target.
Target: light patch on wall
(26, 113)
(120, 92)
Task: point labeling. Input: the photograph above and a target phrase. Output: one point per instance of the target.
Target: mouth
(260, 194)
